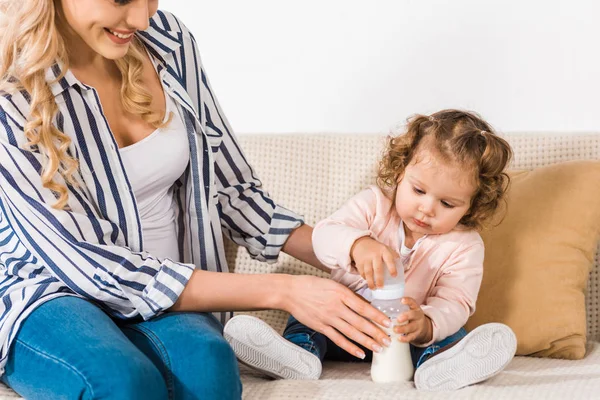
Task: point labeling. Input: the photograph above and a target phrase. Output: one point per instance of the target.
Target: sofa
(314, 175)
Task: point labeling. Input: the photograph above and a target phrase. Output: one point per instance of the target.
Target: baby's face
(433, 195)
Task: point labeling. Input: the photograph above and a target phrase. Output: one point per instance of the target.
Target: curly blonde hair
(30, 43)
(459, 137)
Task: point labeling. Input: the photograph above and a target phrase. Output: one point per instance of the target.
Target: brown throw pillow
(538, 259)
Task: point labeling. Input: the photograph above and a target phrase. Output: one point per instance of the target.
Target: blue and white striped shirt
(94, 248)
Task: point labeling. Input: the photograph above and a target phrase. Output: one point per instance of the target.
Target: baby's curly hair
(459, 137)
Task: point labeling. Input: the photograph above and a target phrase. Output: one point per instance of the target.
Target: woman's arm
(322, 304)
(299, 245)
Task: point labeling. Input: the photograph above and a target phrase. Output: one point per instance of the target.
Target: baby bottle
(394, 363)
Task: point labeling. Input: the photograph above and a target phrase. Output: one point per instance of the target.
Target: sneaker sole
(259, 346)
(481, 354)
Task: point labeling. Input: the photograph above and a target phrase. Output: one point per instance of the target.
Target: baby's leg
(336, 353)
(460, 360)
(305, 337)
(259, 346)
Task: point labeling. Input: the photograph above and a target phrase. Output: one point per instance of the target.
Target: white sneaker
(259, 346)
(483, 353)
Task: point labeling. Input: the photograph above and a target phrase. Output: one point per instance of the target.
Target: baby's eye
(447, 205)
(418, 191)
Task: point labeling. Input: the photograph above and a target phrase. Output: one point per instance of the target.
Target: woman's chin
(112, 51)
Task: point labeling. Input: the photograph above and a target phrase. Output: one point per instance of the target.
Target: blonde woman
(119, 174)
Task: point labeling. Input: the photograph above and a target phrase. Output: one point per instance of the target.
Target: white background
(352, 66)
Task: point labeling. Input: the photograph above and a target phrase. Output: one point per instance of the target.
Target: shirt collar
(160, 42)
(59, 81)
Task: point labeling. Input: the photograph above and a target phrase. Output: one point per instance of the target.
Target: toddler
(438, 183)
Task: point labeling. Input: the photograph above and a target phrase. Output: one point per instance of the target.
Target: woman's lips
(123, 39)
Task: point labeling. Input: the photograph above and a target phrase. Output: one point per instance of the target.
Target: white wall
(364, 65)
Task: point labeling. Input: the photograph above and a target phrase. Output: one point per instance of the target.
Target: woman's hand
(371, 258)
(335, 311)
(321, 304)
(417, 326)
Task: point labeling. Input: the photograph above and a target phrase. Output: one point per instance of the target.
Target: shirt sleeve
(452, 300)
(78, 248)
(334, 236)
(248, 215)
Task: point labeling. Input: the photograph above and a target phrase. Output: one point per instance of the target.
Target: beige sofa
(314, 174)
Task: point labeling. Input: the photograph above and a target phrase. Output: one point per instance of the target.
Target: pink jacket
(444, 273)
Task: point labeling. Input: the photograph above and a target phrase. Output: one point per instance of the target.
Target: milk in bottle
(394, 363)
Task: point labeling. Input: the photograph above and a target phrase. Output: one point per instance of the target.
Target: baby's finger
(360, 268)
(411, 315)
(378, 272)
(410, 337)
(390, 259)
(411, 303)
(368, 275)
(406, 328)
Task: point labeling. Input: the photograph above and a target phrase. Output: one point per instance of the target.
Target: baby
(438, 183)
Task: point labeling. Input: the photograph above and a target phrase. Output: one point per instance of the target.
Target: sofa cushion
(539, 257)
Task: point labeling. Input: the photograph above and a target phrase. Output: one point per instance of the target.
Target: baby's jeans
(321, 346)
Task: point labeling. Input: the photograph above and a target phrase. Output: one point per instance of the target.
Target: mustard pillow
(538, 259)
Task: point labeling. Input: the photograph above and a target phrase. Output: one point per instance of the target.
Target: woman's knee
(124, 377)
(196, 361)
(217, 369)
(133, 379)
(201, 362)
(186, 337)
(215, 351)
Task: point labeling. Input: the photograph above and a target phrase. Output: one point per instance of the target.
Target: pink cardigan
(444, 273)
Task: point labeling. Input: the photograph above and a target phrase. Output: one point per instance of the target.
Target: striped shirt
(94, 247)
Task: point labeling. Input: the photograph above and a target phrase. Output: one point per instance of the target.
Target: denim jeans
(321, 346)
(68, 348)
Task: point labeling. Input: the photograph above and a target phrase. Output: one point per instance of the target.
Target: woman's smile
(119, 37)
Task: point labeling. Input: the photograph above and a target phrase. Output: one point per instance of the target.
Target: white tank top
(153, 165)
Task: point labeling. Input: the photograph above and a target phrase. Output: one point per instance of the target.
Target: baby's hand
(371, 258)
(417, 326)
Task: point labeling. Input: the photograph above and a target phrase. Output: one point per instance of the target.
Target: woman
(118, 175)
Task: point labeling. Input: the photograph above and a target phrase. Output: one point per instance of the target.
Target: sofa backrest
(314, 174)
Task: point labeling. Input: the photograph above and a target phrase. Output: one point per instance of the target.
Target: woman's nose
(138, 16)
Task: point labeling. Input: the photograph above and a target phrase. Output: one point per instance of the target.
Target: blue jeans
(321, 346)
(68, 348)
